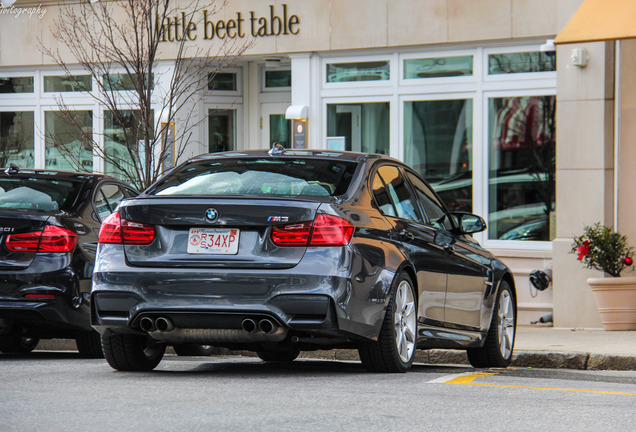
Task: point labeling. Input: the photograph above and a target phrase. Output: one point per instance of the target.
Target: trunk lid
(180, 222)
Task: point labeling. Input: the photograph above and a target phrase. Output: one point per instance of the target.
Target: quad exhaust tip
(162, 324)
(265, 325)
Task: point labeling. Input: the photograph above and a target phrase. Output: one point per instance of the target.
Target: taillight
(114, 229)
(325, 230)
(52, 239)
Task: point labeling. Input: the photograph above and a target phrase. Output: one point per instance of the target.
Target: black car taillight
(51, 239)
(325, 230)
(117, 230)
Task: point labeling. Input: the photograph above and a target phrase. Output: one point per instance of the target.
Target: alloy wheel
(405, 321)
(506, 324)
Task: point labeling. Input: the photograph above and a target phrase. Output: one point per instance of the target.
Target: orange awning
(598, 20)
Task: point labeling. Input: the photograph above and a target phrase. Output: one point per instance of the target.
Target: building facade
(468, 92)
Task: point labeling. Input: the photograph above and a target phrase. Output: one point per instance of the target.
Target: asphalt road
(57, 391)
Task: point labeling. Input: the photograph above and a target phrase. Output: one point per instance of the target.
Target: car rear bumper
(211, 306)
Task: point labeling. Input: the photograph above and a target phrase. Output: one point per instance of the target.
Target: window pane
(46, 194)
(438, 67)
(438, 140)
(367, 71)
(122, 82)
(280, 130)
(222, 130)
(522, 168)
(434, 210)
(525, 62)
(382, 198)
(364, 126)
(124, 143)
(16, 85)
(63, 83)
(225, 81)
(17, 139)
(277, 78)
(400, 194)
(68, 140)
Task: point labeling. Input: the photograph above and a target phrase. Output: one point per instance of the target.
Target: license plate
(222, 241)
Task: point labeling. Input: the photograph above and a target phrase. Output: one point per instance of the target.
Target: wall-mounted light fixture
(272, 63)
(579, 57)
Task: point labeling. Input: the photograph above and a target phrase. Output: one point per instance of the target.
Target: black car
(290, 250)
(49, 225)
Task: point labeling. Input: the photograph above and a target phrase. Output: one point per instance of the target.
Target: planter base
(616, 301)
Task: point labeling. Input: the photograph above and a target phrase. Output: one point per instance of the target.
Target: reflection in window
(123, 143)
(107, 199)
(221, 130)
(522, 168)
(64, 83)
(280, 130)
(524, 62)
(122, 82)
(17, 139)
(277, 78)
(400, 193)
(438, 67)
(361, 71)
(365, 126)
(16, 85)
(68, 140)
(438, 138)
(222, 81)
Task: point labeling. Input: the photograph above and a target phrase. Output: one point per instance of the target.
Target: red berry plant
(601, 248)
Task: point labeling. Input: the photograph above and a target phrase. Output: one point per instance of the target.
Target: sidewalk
(536, 347)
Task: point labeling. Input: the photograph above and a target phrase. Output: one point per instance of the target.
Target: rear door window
(107, 198)
(435, 213)
(399, 193)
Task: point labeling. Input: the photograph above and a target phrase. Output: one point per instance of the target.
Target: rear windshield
(251, 177)
(33, 193)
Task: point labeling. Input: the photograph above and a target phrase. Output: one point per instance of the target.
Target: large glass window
(522, 62)
(221, 130)
(16, 85)
(123, 143)
(438, 138)
(68, 139)
(63, 83)
(522, 168)
(122, 82)
(364, 126)
(17, 139)
(277, 78)
(359, 71)
(438, 67)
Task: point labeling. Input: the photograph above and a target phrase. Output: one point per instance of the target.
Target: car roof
(48, 173)
(293, 153)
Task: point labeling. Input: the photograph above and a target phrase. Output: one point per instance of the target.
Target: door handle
(449, 248)
(406, 235)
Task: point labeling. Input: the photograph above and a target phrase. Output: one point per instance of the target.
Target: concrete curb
(525, 359)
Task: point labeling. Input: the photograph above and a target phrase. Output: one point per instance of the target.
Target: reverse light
(114, 229)
(51, 239)
(325, 230)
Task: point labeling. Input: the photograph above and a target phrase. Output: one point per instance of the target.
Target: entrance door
(274, 126)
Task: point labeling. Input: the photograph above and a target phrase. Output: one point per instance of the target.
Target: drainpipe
(617, 124)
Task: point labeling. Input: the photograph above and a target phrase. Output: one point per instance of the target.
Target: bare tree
(118, 43)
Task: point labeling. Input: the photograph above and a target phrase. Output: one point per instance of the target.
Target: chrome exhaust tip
(248, 325)
(267, 326)
(164, 324)
(147, 324)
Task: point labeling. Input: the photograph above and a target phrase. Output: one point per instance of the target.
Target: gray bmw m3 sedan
(289, 250)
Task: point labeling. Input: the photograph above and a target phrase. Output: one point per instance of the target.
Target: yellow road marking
(468, 380)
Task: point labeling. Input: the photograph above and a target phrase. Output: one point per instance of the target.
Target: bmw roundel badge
(211, 214)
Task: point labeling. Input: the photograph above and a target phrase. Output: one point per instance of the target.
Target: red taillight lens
(331, 231)
(291, 235)
(325, 230)
(117, 230)
(52, 239)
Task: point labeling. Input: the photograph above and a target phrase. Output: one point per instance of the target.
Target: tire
(500, 341)
(89, 345)
(288, 355)
(18, 344)
(195, 350)
(394, 350)
(126, 352)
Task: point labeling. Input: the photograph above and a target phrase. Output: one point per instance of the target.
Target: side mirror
(469, 223)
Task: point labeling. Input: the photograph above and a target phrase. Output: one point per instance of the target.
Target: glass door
(274, 127)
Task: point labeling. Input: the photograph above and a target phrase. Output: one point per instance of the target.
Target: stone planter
(616, 301)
